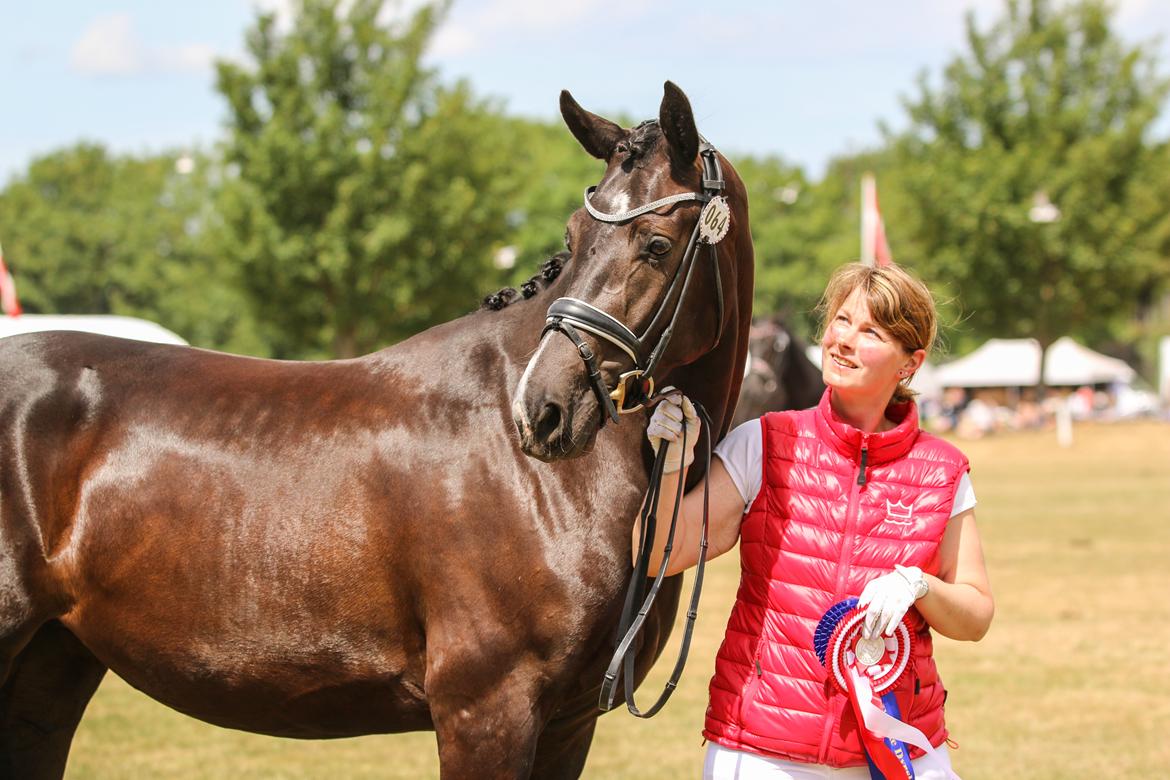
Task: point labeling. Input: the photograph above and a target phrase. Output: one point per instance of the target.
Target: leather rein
(635, 391)
(629, 625)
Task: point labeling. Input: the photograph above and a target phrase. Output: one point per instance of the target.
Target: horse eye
(658, 245)
(568, 243)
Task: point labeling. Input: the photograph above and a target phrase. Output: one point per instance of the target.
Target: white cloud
(539, 15)
(501, 21)
(284, 10)
(1141, 20)
(110, 46)
(1132, 8)
(452, 41)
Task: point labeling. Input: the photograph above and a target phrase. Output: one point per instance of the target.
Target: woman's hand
(957, 603)
(887, 599)
(673, 414)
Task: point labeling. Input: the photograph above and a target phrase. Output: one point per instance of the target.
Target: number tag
(715, 220)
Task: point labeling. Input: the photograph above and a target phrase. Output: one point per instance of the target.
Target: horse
(778, 375)
(434, 536)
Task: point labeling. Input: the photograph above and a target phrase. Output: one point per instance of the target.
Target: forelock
(642, 140)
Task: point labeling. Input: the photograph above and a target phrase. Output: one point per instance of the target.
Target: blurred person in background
(979, 418)
(849, 498)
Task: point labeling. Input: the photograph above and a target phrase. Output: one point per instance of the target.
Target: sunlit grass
(1071, 681)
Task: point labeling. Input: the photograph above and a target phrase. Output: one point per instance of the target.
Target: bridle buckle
(642, 393)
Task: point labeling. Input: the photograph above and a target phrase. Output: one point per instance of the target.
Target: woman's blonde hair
(898, 301)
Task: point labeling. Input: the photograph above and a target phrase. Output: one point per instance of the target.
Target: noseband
(570, 315)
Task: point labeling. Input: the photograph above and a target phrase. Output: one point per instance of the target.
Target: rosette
(867, 671)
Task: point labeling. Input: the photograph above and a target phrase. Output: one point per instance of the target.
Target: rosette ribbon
(869, 684)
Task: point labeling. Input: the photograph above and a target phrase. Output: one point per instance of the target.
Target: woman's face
(859, 358)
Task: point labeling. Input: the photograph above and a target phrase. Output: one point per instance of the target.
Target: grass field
(1069, 683)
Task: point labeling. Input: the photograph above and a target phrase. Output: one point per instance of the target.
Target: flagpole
(8, 300)
(875, 249)
(868, 228)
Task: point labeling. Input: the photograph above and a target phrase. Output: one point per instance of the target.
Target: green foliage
(556, 172)
(86, 232)
(364, 200)
(781, 213)
(360, 200)
(800, 243)
(802, 230)
(1046, 104)
(796, 225)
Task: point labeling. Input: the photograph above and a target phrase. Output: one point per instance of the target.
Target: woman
(848, 498)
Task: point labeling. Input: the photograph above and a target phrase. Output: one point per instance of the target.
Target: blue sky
(805, 80)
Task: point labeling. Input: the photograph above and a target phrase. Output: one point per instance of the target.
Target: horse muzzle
(554, 410)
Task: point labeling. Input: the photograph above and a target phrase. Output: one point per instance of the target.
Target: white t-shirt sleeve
(742, 453)
(964, 495)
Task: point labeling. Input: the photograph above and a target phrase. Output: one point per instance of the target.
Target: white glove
(887, 599)
(671, 415)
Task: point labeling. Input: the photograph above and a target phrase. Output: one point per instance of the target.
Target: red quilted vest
(813, 537)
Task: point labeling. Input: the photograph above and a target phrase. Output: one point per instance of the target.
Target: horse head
(659, 282)
(779, 375)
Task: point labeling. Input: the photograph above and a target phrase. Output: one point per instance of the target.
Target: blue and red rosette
(867, 671)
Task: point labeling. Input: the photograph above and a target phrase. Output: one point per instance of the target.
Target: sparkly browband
(625, 215)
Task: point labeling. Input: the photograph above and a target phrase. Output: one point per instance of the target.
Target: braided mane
(549, 270)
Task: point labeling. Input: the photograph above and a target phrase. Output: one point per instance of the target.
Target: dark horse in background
(778, 374)
(329, 549)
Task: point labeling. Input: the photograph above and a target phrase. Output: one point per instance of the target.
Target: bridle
(635, 389)
(569, 315)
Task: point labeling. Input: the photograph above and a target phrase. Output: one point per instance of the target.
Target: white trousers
(727, 764)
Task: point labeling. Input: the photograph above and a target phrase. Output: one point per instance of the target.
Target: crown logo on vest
(899, 513)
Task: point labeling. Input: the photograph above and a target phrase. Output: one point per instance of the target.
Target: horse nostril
(548, 423)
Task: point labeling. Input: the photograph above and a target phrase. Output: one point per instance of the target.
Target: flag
(875, 250)
(8, 300)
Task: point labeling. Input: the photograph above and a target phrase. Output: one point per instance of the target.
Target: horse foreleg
(49, 684)
(563, 748)
(487, 731)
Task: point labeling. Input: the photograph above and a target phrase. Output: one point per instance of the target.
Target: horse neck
(715, 378)
(512, 332)
(801, 377)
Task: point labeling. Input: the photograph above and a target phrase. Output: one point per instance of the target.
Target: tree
(557, 172)
(781, 203)
(1032, 186)
(364, 200)
(804, 230)
(90, 233)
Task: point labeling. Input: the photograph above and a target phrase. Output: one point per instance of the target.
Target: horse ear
(678, 125)
(598, 136)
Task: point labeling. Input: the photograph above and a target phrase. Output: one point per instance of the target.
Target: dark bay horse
(778, 375)
(329, 549)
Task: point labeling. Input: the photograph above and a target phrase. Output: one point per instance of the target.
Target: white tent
(813, 353)
(107, 324)
(925, 382)
(1071, 364)
(998, 363)
(1164, 368)
(1016, 363)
